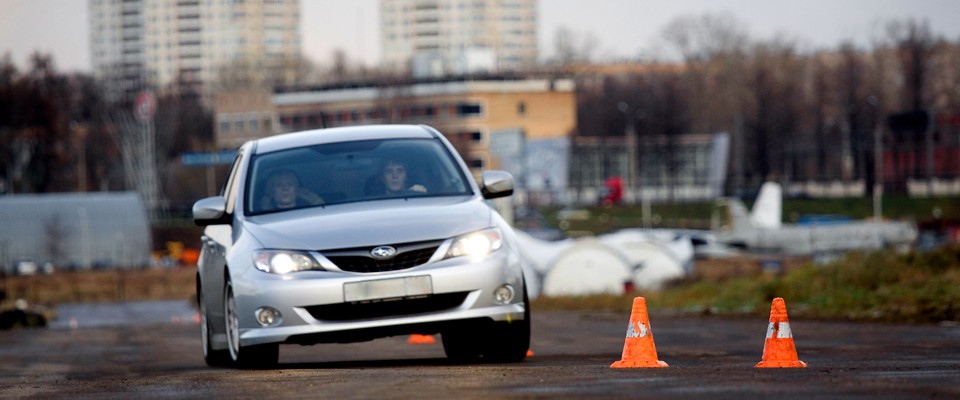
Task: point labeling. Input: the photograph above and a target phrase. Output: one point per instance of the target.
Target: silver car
(351, 234)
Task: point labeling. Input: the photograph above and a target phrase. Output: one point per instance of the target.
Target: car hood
(370, 223)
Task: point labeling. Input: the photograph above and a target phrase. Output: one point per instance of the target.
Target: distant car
(26, 267)
(352, 261)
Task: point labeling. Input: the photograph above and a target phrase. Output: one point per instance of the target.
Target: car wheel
(214, 358)
(509, 341)
(495, 342)
(259, 356)
(462, 343)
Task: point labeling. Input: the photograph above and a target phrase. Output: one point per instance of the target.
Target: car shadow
(416, 362)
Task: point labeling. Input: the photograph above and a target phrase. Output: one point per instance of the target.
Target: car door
(215, 242)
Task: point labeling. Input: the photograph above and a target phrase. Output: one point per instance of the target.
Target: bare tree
(854, 101)
(340, 68)
(946, 79)
(773, 106)
(704, 38)
(915, 45)
(712, 47)
(571, 47)
(809, 150)
(39, 109)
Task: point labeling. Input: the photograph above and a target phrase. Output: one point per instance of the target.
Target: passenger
(394, 177)
(284, 191)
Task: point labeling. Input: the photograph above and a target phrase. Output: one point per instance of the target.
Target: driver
(394, 177)
(284, 191)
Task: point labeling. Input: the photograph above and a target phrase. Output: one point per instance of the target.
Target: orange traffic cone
(638, 348)
(421, 339)
(779, 350)
(529, 353)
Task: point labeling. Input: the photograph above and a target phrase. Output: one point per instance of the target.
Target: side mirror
(496, 184)
(210, 211)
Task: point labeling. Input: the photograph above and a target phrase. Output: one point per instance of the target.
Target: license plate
(388, 288)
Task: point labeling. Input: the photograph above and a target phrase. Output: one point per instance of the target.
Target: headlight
(284, 261)
(476, 245)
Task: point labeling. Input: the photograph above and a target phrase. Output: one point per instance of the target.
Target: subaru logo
(383, 252)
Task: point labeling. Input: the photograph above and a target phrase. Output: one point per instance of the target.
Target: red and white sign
(145, 106)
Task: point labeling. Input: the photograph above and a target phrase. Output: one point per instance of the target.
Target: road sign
(202, 159)
(145, 106)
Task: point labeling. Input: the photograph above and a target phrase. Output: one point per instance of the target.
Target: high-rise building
(186, 44)
(451, 37)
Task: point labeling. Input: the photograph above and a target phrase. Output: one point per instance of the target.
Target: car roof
(342, 134)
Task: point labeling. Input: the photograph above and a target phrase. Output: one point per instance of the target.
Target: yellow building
(470, 113)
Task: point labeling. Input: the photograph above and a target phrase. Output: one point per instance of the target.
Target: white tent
(80, 230)
(587, 267)
(540, 253)
(537, 255)
(646, 258)
(654, 257)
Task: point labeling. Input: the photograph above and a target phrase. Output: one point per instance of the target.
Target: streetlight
(630, 132)
(80, 142)
(877, 160)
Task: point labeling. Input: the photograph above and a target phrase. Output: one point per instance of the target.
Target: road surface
(709, 357)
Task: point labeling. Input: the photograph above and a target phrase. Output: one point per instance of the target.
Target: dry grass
(878, 286)
(100, 286)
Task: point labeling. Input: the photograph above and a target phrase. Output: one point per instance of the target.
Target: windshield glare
(349, 172)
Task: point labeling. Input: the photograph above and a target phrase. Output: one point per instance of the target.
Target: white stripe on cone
(782, 333)
(640, 330)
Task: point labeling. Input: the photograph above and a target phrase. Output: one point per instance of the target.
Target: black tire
(509, 341)
(262, 356)
(461, 343)
(214, 358)
(494, 342)
(249, 357)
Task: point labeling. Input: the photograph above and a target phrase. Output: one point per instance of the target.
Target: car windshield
(349, 172)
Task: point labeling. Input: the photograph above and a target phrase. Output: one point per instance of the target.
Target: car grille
(387, 307)
(409, 255)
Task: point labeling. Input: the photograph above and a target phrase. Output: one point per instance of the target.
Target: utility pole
(738, 156)
(877, 160)
(636, 187)
(630, 134)
(928, 141)
(80, 145)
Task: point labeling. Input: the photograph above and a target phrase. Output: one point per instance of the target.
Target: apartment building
(456, 37)
(522, 125)
(185, 44)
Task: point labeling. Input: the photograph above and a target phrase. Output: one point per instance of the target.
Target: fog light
(267, 316)
(503, 294)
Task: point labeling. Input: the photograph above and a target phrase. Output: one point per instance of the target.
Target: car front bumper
(314, 308)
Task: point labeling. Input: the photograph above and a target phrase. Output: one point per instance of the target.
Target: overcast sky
(623, 28)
